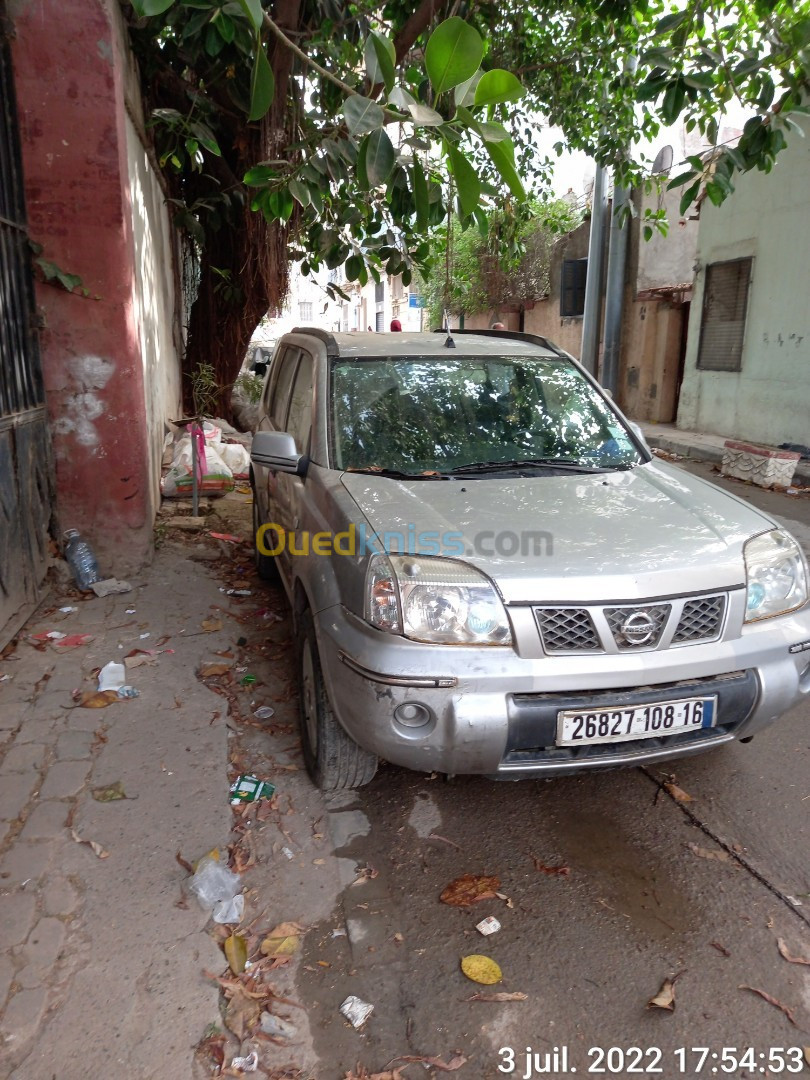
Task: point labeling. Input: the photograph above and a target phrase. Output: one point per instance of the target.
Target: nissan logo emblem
(638, 628)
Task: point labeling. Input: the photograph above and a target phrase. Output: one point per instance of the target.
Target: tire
(265, 564)
(333, 759)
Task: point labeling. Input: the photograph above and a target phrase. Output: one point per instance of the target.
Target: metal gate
(25, 469)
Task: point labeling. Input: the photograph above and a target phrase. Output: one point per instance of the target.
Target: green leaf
(673, 101)
(648, 232)
(259, 175)
(497, 86)
(400, 98)
(689, 197)
(300, 192)
(453, 54)
(362, 115)
(278, 204)
(464, 93)
(253, 10)
(425, 116)
(214, 43)
(354, 267)
(151, 7)
(205, 137)
(420, 197)
(380, 59)
(467, 183)
(681, 178)
(503, 158)
(262, 84)
(379, 157)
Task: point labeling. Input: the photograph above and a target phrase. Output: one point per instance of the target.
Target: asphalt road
(648, 889)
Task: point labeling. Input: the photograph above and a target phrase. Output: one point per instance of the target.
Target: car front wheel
(333, 759)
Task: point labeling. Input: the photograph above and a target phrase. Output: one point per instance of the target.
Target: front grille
(701, 619)
(567, 630)
(637, 627)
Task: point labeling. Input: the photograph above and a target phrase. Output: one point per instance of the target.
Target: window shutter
(572, 287)
(725, 301)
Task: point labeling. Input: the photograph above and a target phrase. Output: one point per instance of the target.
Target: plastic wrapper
(236, 458)
(178, 482)
(217, 890)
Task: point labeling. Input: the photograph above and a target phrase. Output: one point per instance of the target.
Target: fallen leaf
(73, 641)
(210, 626)
(364, 1074)
(500, 996)
(469, 889)
(98, 699)
(236, 953)
(452, 843)
(365, 873)
(677, 793)
(783, 950)
(481, 969)
(283, 940)
(186, 865)
(561, 871)
(705, 853)
(111, 793)
(437, 1063)
(772, 1001)
(214, 668)
(507, 900)
(96, 848)
(720, 948)
(242, 1013)
(665, 998)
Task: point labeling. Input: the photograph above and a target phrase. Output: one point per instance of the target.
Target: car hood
(651, 531)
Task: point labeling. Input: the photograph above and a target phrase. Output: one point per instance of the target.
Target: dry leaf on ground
(364, 1074)
(283, 940)
(236, 953)
(665, 998)
(559, 871)
(110, 793)
(677, 793)
(437, 1062)
(784, 951)
(96, 848)
(481, 969)
(500, 996)
(99, 699)
(470, 888)
(772, 1001)
(211, 625)
(214, 668)
(242, 1013)
(706, 853)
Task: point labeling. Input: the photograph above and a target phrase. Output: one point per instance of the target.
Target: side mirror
(276, 450)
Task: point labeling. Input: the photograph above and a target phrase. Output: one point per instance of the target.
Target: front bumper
(492, 712)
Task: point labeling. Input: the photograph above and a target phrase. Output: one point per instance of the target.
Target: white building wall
(767, 218)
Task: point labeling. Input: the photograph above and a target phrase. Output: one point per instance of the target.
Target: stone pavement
(101, 960)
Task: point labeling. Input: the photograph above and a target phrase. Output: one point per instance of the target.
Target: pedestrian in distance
(396, 325)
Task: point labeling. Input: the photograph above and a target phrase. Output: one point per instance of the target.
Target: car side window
(284, 371)
(299, 420)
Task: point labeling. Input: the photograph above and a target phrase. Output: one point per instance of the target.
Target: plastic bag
(216, 478)
(236, 458)
(217, 890)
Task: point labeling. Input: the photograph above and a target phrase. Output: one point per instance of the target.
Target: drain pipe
(614, 289)
(589, 350)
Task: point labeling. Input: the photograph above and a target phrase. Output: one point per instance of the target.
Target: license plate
(576, 727)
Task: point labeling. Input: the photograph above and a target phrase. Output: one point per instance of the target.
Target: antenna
(663, 161)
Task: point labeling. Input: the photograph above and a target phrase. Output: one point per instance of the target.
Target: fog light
(412, 715)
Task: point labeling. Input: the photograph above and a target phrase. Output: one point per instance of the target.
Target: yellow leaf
(236, 953)
(211, 625)
(481, 969)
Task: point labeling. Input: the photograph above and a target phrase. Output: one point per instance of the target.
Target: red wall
(68, 73)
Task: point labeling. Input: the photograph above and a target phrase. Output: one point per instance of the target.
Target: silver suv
(490, 574)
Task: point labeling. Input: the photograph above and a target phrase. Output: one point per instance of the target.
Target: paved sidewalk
(101, 960)
(701, 446)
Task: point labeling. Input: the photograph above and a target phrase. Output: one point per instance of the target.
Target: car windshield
(422, 415)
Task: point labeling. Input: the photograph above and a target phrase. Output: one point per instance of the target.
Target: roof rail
(322, 335)
(515, 335)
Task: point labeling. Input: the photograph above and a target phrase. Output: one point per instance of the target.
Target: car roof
(467, 343)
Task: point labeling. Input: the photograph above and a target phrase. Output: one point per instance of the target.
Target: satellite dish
(663, 161)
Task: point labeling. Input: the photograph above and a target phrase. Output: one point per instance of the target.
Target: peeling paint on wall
(83, 406)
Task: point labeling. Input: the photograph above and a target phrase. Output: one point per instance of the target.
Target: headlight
(775, 575)
(437, 600)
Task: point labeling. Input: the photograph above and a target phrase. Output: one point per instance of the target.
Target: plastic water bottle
(81, 559)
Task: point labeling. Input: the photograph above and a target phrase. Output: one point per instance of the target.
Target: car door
(273, 417)
(287, 487)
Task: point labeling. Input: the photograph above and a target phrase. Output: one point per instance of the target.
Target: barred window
(722, 328)
(572, 288)
(305, 310)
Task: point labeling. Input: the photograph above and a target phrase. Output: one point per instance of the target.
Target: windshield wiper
(394, 474)
(527, 463)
